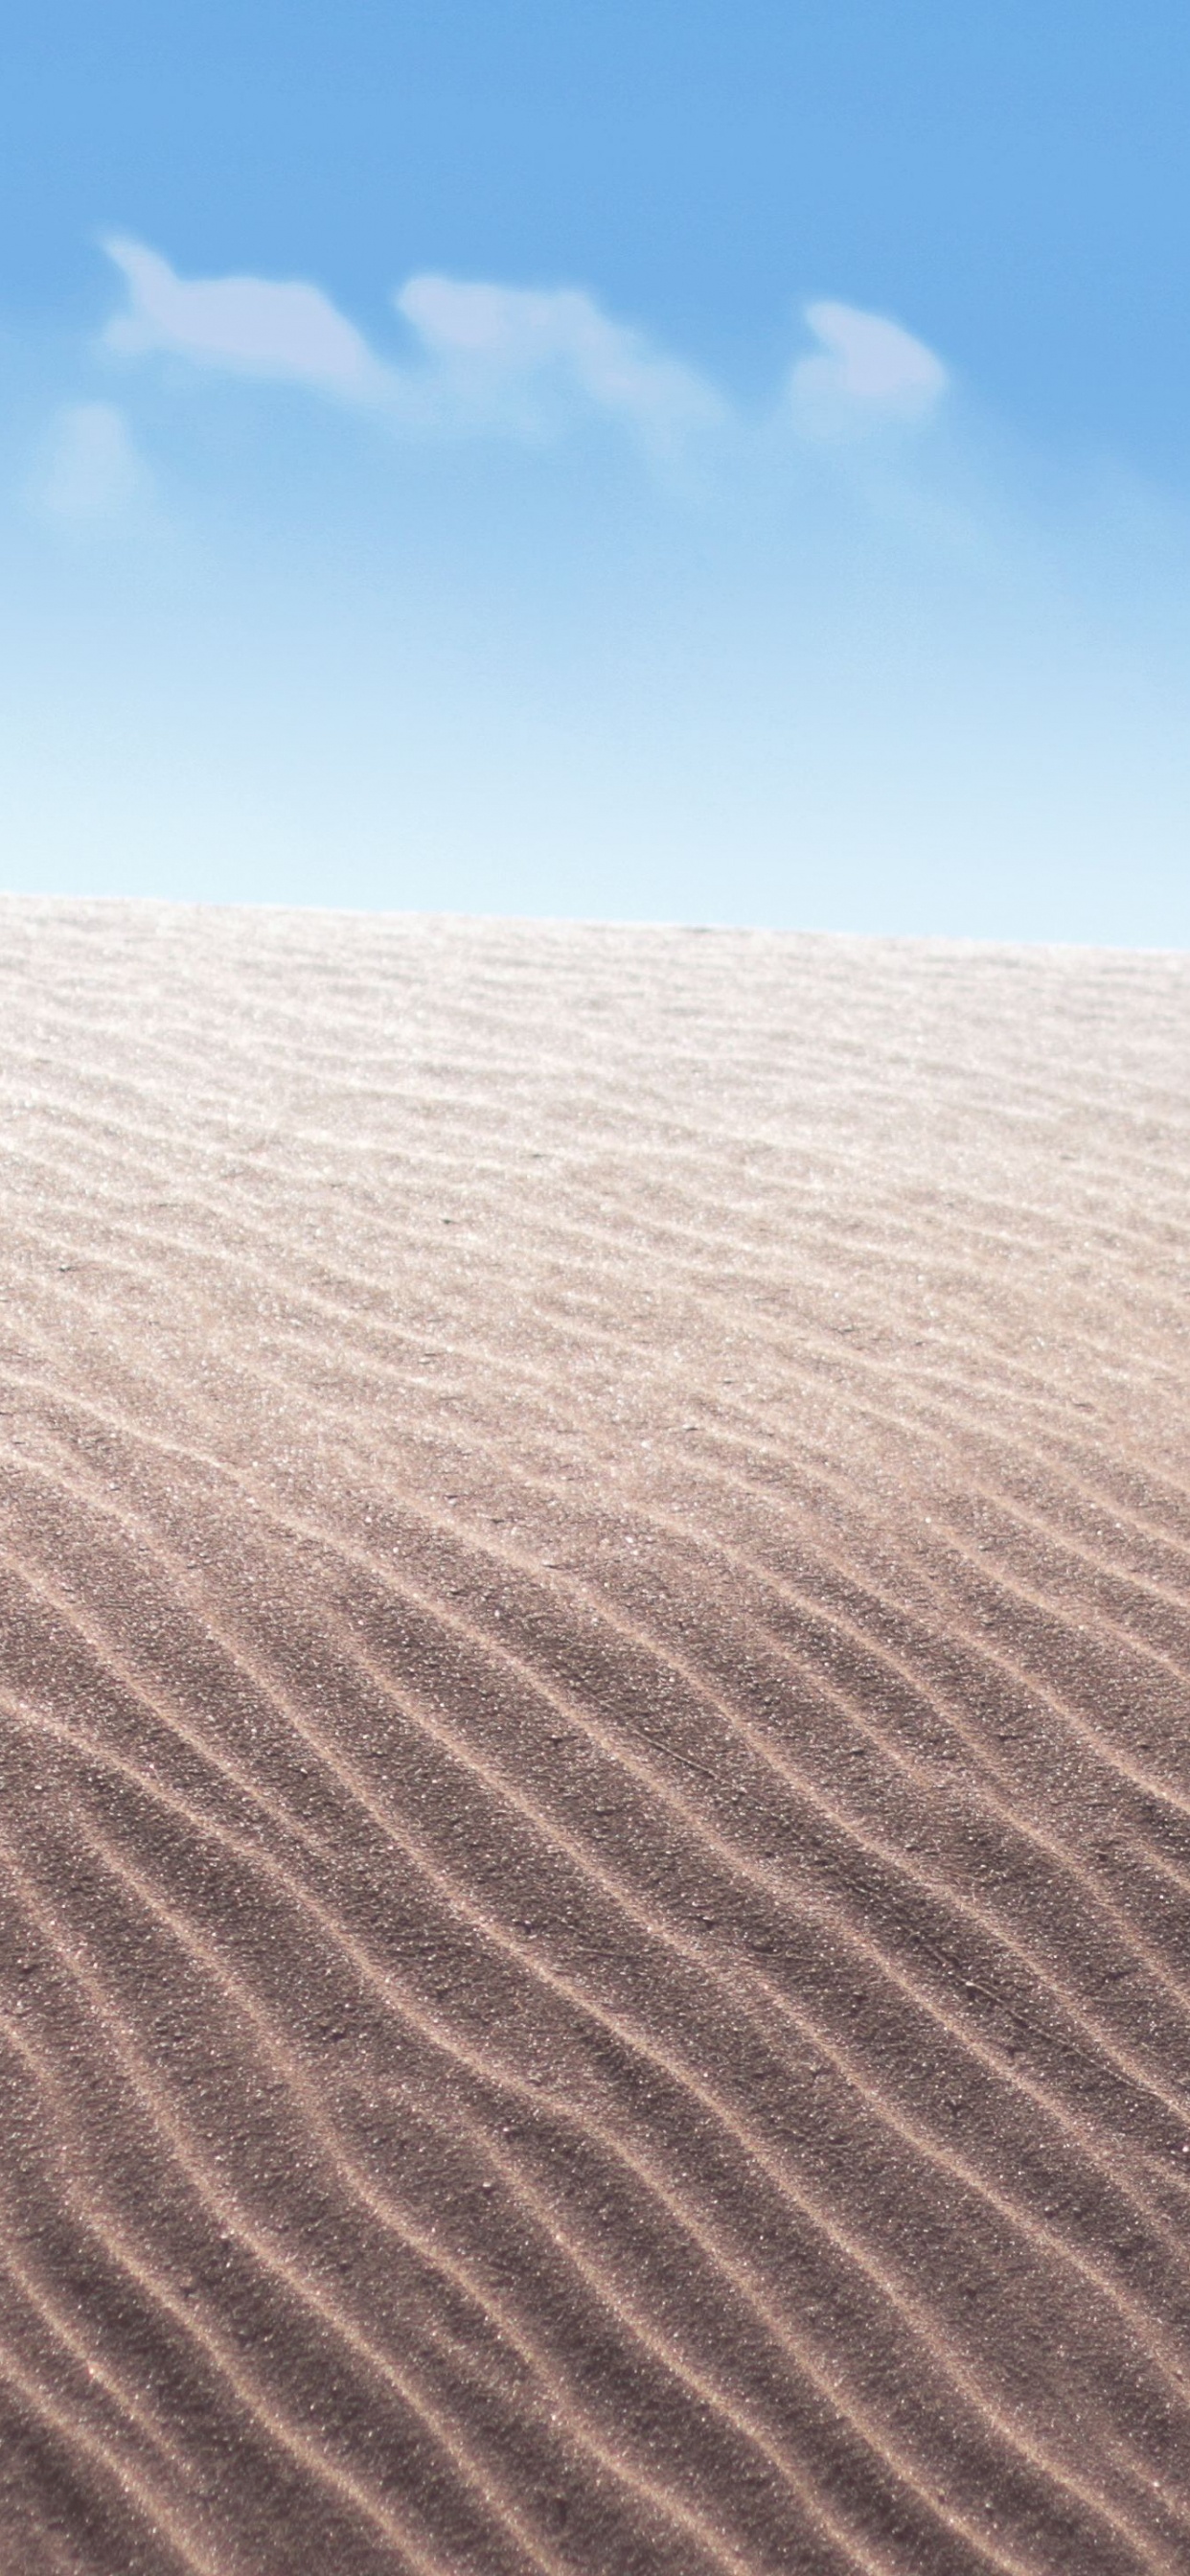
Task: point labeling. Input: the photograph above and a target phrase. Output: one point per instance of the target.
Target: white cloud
(493, 358)
(502, 351)
(249, 325)
(90, 469)
(869, 370)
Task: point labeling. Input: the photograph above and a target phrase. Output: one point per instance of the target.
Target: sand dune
(595, 1839)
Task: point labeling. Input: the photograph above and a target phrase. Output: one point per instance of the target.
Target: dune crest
(595, 1838)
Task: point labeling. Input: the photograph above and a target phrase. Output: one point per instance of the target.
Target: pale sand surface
(595, 1826)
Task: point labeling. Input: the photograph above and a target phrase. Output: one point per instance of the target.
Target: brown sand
(595, 1844)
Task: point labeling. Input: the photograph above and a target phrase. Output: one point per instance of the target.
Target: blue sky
(662, 462)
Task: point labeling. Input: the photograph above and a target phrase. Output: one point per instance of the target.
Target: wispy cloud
(89, 471)
(248, 325)
(866, 371)
(511, 356)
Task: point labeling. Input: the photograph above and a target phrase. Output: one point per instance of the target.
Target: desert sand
(595, 1751)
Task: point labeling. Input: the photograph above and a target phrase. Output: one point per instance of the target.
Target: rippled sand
(594, 1747)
